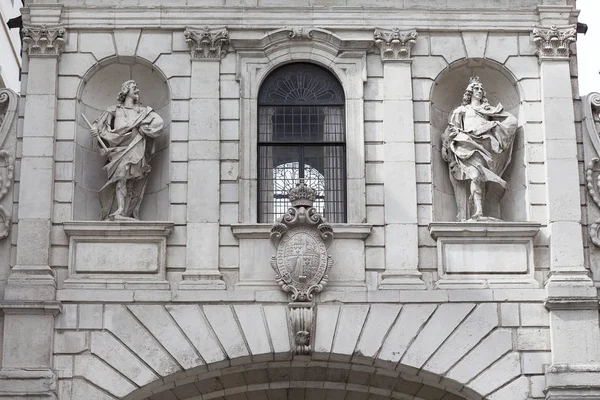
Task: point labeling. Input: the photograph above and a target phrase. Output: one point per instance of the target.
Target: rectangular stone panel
(120, 257)
(483, 257)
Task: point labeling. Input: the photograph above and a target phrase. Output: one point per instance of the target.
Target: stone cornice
(553, 42)
(207, 44)
(44, 40)
(395, 45)
(269, 18)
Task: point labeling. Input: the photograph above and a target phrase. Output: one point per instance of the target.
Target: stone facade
(184, 303)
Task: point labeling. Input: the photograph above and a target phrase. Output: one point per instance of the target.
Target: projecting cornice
(269, 18)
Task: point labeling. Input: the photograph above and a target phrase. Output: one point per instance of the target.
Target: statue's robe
(129, 134)
(481, 149)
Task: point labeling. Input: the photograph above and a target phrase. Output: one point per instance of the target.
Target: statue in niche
(125, 134)
(477, 144)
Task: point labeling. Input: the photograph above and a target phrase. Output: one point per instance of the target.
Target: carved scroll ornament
(591, 122)
(301, 238)
(8, 108)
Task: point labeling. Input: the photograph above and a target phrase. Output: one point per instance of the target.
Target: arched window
(301, 135)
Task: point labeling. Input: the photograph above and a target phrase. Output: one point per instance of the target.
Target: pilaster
(571, 297)
(32, 278)
(207, 48)
(400, 182)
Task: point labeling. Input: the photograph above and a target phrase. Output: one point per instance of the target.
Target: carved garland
(206, 44)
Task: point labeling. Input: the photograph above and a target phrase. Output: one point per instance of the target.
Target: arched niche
(98, 91)
(446, 94)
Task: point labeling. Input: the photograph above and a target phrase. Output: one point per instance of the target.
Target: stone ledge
(573, 382)
(340, 231)
(31, 307)
(483, 229)
(118, 228)
(357, 295)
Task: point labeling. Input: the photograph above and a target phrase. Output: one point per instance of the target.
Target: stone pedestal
(128, 254)
(27, 350)
(485, 254)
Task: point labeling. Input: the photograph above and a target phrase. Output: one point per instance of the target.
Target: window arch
(301, 135)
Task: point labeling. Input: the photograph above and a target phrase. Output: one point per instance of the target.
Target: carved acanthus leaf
(43, 40)
(207, 44)
(301, 318)
(553, 42)
(395, 45)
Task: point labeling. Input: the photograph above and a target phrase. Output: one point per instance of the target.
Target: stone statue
(477, 144)
(125, 133)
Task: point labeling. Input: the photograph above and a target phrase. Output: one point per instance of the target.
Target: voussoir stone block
(101, 45)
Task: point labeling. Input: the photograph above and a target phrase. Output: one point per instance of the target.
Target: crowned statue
(477, 144)
(125, 133)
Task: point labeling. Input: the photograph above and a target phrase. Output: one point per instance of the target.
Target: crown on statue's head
(302, 195)
(474, 80)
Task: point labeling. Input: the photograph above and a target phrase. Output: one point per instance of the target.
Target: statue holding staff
(477, 144)
(126, 133)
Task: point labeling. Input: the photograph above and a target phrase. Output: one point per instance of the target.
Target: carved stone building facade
(412, 174)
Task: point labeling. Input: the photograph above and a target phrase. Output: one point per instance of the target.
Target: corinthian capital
(206, 44)
(43, 40)
(395, 45)
(553, 42)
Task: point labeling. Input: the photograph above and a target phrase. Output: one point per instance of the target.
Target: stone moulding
(131, 254)
(553, 42)
(591, 110)
(44, 40)
(485, 254)
(395, 45)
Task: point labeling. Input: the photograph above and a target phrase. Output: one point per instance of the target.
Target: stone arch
(96, 92)
(445, 351)
(446, 93)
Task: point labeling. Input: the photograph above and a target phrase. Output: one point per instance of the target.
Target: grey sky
(588, 50)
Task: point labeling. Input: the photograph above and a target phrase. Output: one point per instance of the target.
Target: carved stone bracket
(553, 42)
(301, 33)
(301, 238)
(395, 45)
(207, 44)
(43, 40)
(591, 123)
(301, 319)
